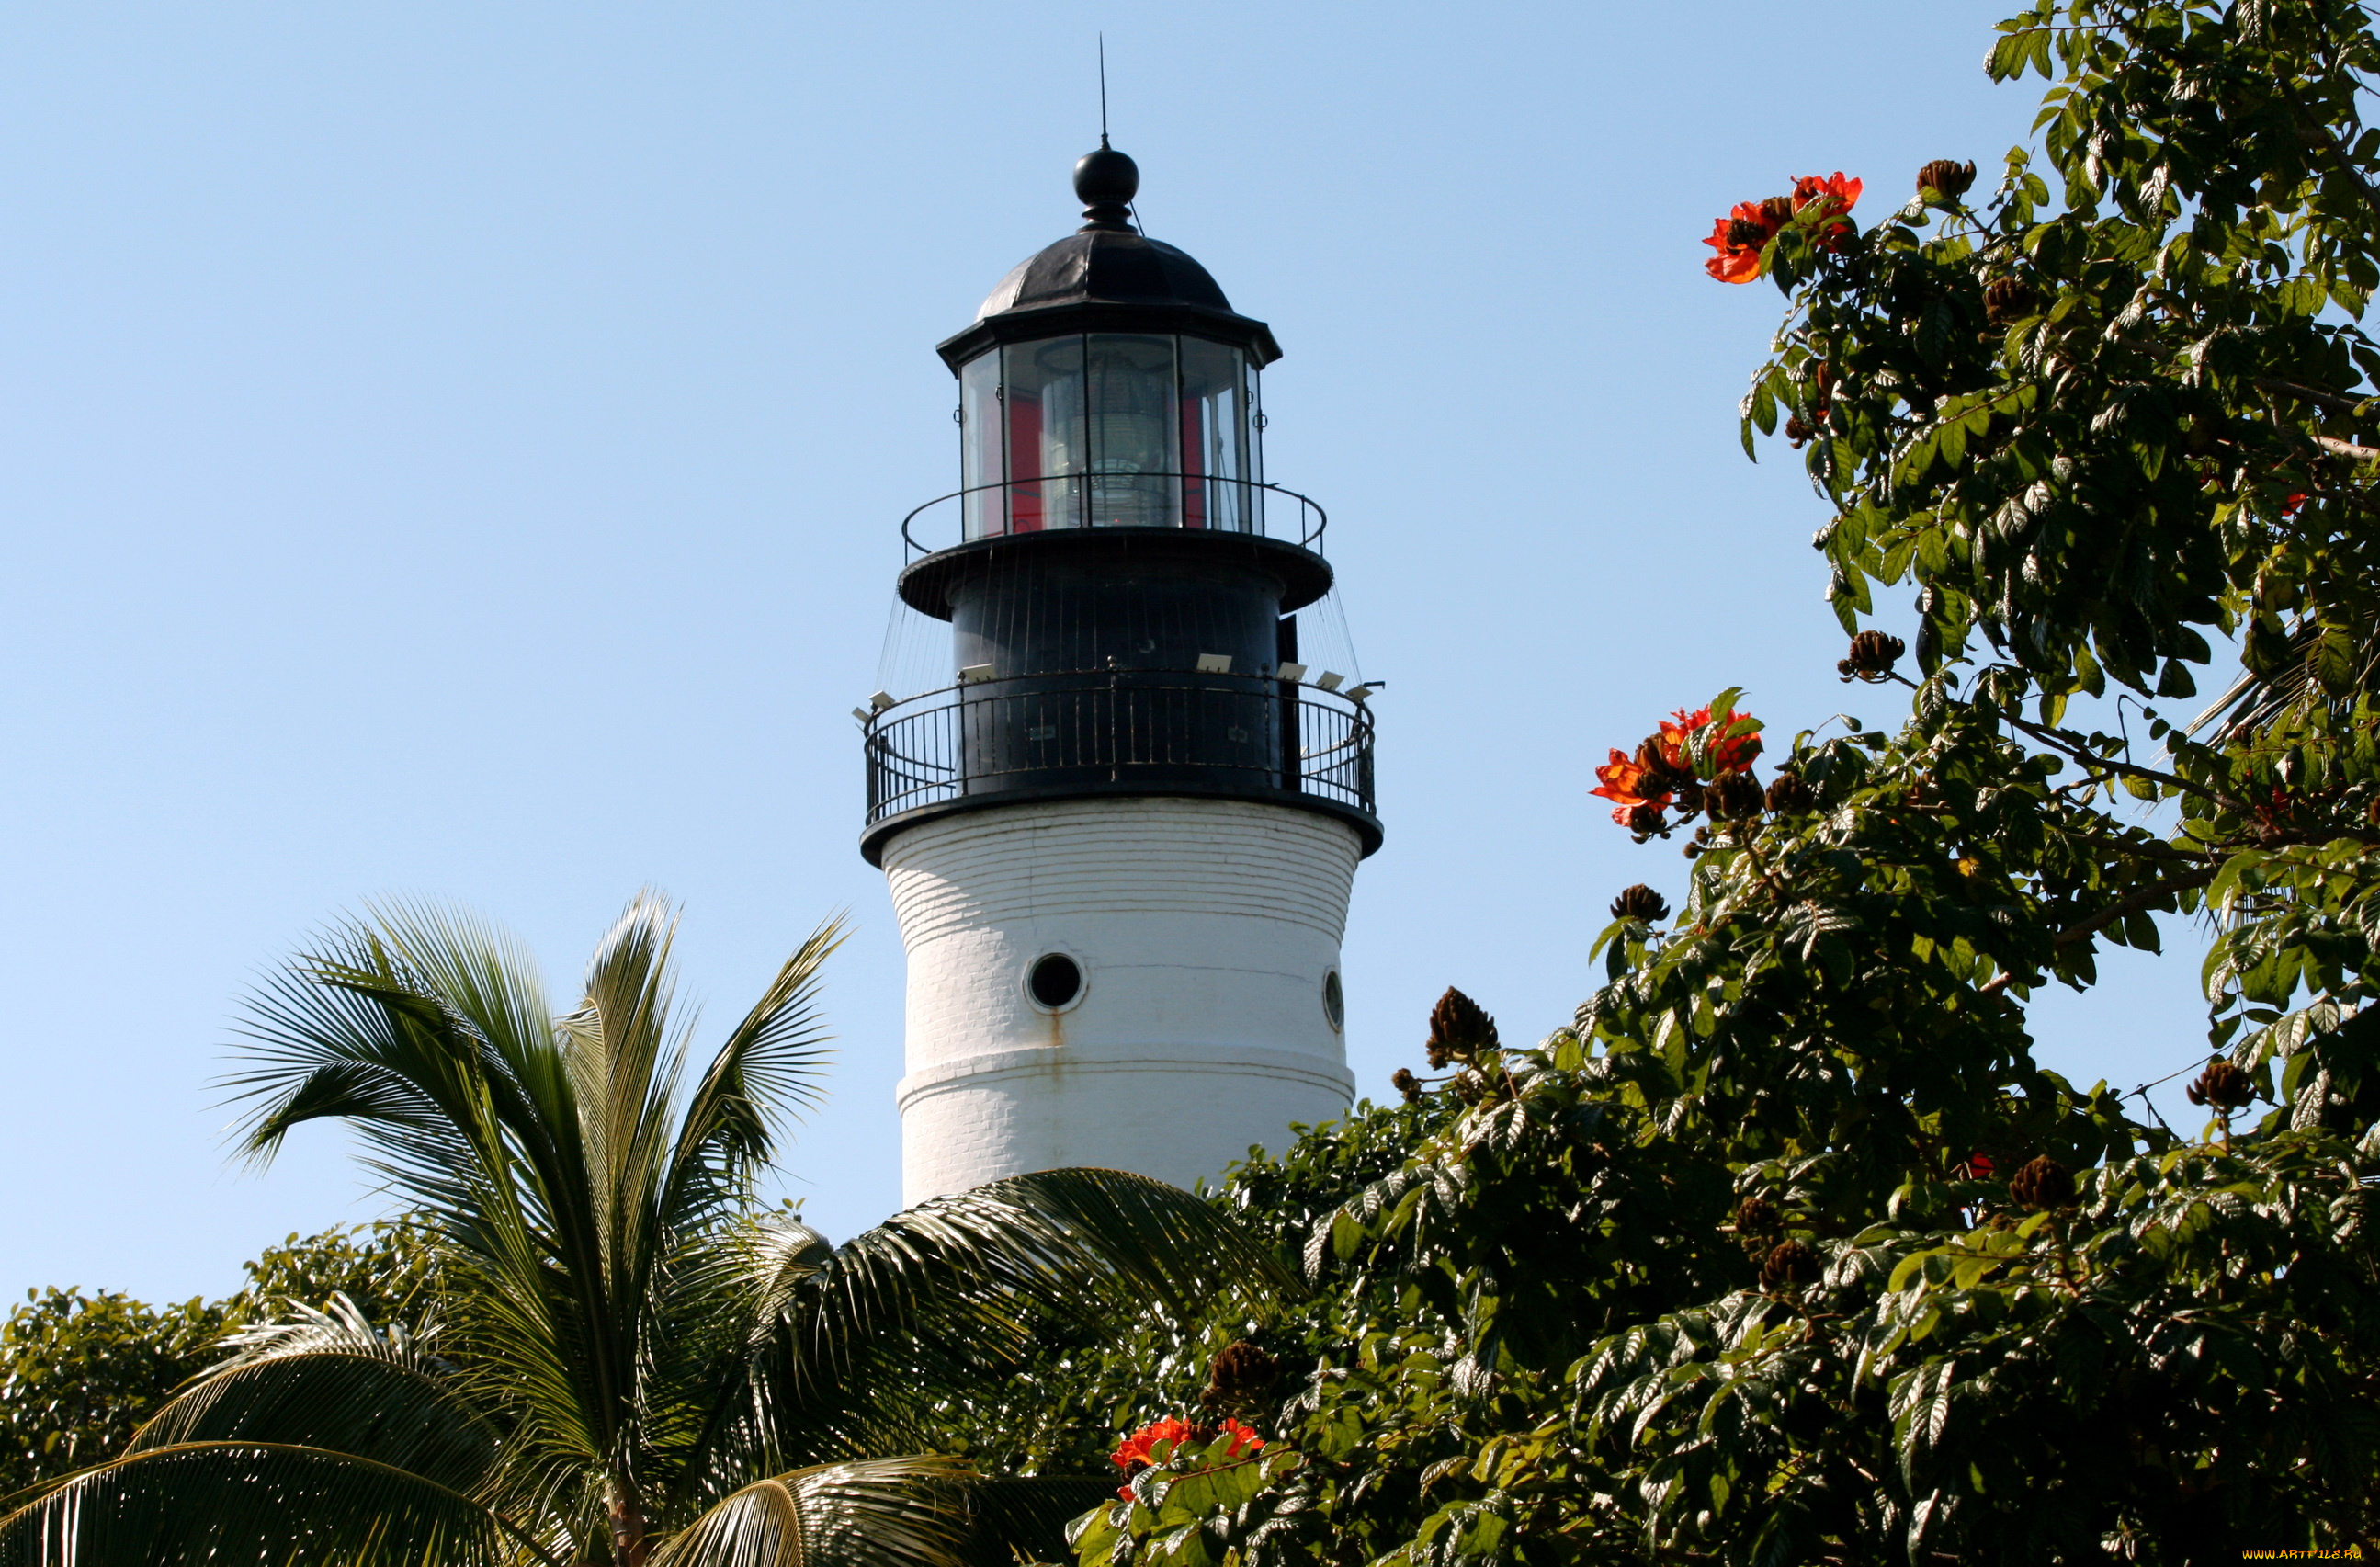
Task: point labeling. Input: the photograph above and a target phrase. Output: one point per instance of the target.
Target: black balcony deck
(1118, 731)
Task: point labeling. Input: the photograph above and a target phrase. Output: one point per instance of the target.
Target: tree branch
(2339, 400)
(2071, 747)
(2134, 902)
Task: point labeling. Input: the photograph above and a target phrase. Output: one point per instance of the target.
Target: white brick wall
(1204, 930)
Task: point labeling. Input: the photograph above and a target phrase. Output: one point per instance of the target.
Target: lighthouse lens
(1133, 426)
(1110, 430)
(1056, 980)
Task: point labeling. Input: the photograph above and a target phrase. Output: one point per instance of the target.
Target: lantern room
(1107, 382)
(1110, 430)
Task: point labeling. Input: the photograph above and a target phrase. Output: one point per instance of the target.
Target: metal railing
(1099, 728)
(1077, 501)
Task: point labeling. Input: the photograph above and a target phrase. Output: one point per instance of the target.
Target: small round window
(1334, 1000)
(1056, 980)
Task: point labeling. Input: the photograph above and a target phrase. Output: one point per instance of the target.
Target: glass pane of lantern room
(1047, 443)
(1135, 426)
(980, 443)
(1215, 466)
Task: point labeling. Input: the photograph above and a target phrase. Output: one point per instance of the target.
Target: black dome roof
(1108, 277)
(1108, 265)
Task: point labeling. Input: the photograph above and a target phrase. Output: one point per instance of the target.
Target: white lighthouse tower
(1122, 840)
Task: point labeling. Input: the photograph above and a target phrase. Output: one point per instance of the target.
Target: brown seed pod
(1944, 176)
(1240, 1375)
(1459, 1029)
(1757, 1216)
(1640, 901)
(1736, 797)
(1872, 656)
(1790, 1265)
(1787, 795)
(1661, 777)
(2007, 299)
(2223, 1085)
(2043, 1183)
(1647, 820)
(1405, 1083)
(1798, 431)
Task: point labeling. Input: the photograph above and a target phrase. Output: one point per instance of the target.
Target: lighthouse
(1122, 838)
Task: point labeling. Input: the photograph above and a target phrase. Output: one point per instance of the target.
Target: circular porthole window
(1055, 981)
(1334, 1000)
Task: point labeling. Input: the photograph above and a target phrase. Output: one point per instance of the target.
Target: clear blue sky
(457, 449)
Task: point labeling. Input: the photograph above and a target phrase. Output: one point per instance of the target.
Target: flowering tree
(1787, 1250)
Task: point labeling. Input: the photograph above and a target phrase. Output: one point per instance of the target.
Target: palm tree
(632, 1359)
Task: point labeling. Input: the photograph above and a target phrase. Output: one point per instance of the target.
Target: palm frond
(2255, 700)
(257, 1504)
(875, 1512)
(343, 1034)
(1068, 1238)
(624, 1056)
(769, 1068)
(328, 1380)
(472, 1111)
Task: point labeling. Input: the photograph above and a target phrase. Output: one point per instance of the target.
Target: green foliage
(1199, 1505)
(1787, 1250)
(79, 1373)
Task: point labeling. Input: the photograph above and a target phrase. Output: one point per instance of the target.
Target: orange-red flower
(1621, 781)
(1132, 1452)
(1242, 1440)
(1831, 197)
(1739, 238)
(1730, 754)
(1136, 1451)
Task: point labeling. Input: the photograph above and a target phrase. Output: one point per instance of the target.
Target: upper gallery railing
(1112, 499)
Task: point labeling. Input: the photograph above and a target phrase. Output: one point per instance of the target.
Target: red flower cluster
(1649, 778)
(1137, 1452)
(1727, 753)
(1739, 237)
(1621, 781)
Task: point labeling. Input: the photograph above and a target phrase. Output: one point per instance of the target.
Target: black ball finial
(1106, 181)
